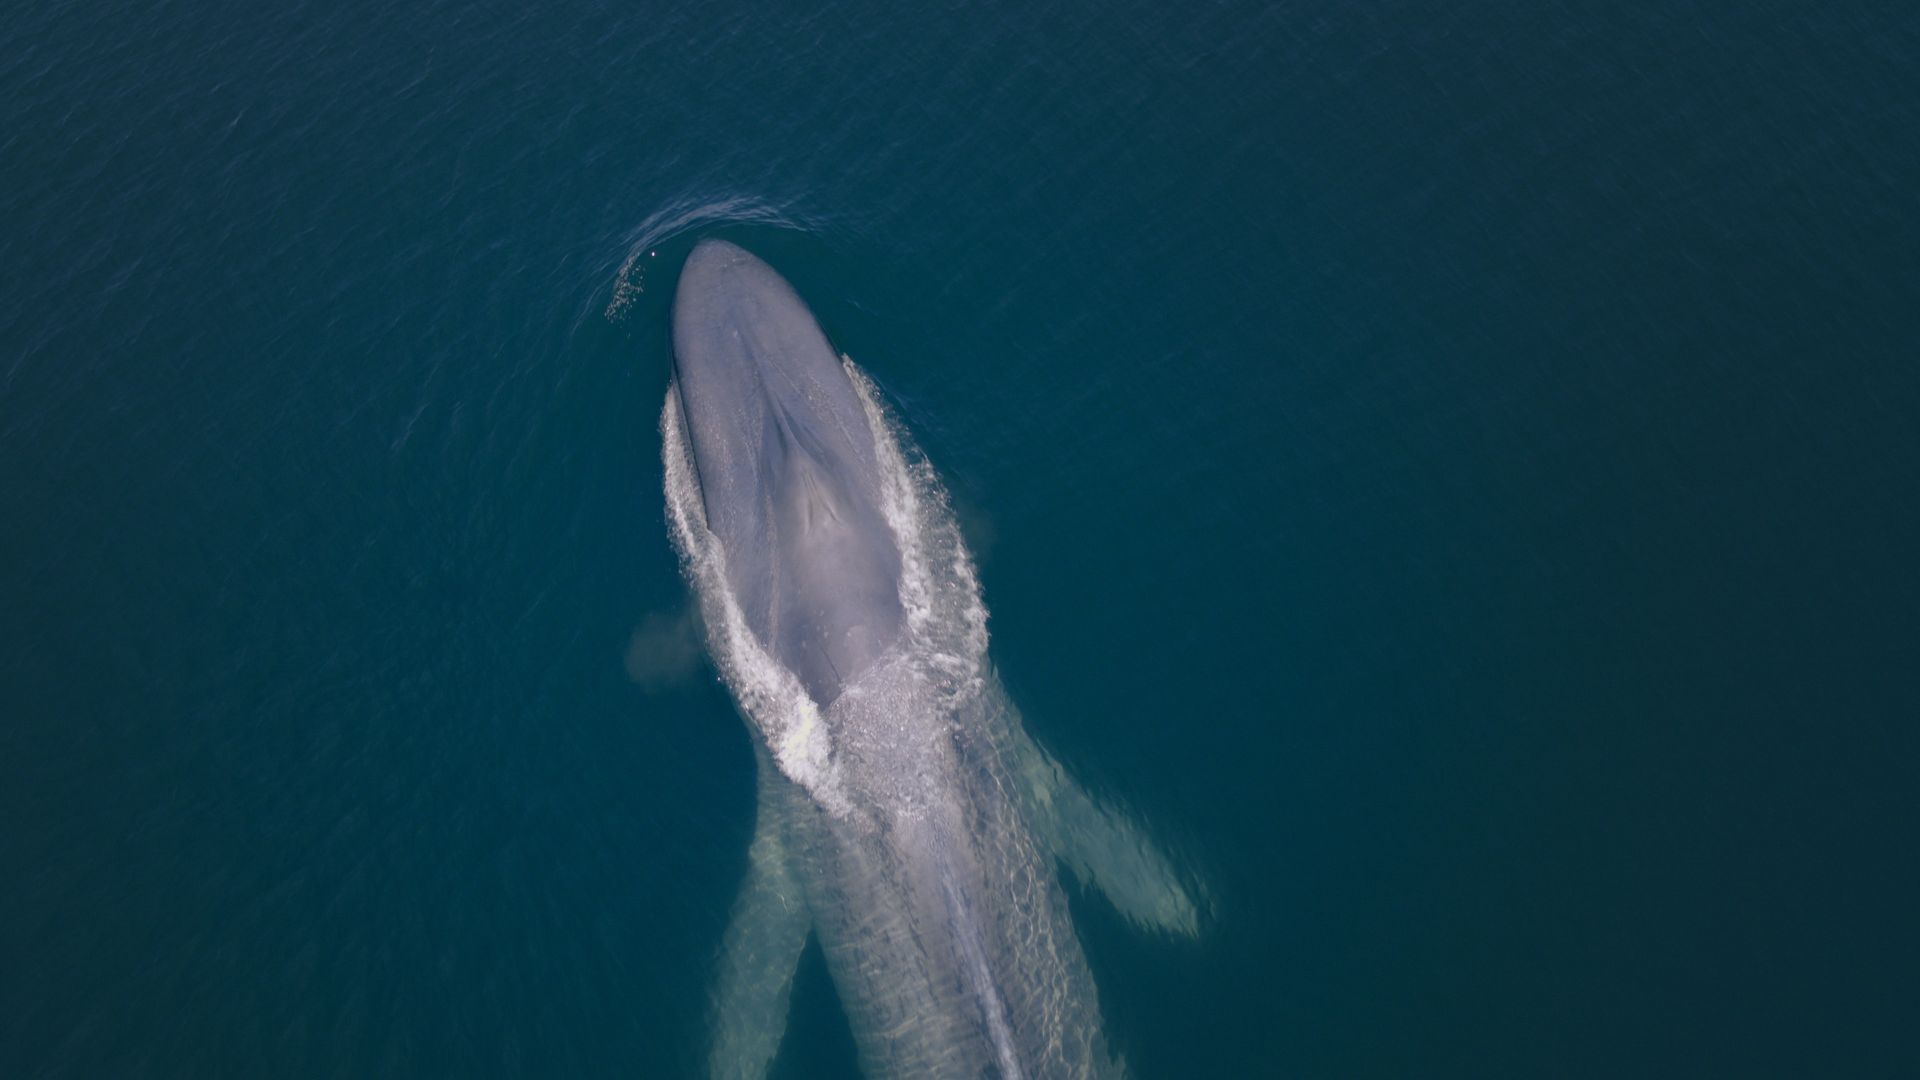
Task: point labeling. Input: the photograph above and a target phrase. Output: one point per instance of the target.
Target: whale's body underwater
(905, 818)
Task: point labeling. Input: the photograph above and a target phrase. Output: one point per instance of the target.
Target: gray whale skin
(905, 818)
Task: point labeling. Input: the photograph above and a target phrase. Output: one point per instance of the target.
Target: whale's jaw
(787, 469)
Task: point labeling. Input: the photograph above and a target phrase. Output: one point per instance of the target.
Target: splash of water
(676, 219)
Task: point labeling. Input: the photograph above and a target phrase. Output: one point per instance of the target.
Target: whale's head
(788, 471)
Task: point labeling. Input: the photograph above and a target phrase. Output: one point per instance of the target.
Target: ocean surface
(1452, 472)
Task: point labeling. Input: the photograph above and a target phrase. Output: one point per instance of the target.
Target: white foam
(945, 638)
(939, 589)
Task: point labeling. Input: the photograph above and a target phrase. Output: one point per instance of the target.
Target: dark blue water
(1451, 472)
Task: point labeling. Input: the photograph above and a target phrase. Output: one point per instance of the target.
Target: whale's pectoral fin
(1102, 848)
(762, 948)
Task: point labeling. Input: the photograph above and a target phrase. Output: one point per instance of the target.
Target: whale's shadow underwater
(905, 817)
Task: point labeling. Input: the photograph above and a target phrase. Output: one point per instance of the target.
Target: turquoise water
(1451, 473)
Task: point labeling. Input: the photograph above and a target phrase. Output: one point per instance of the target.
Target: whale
(905, 818)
